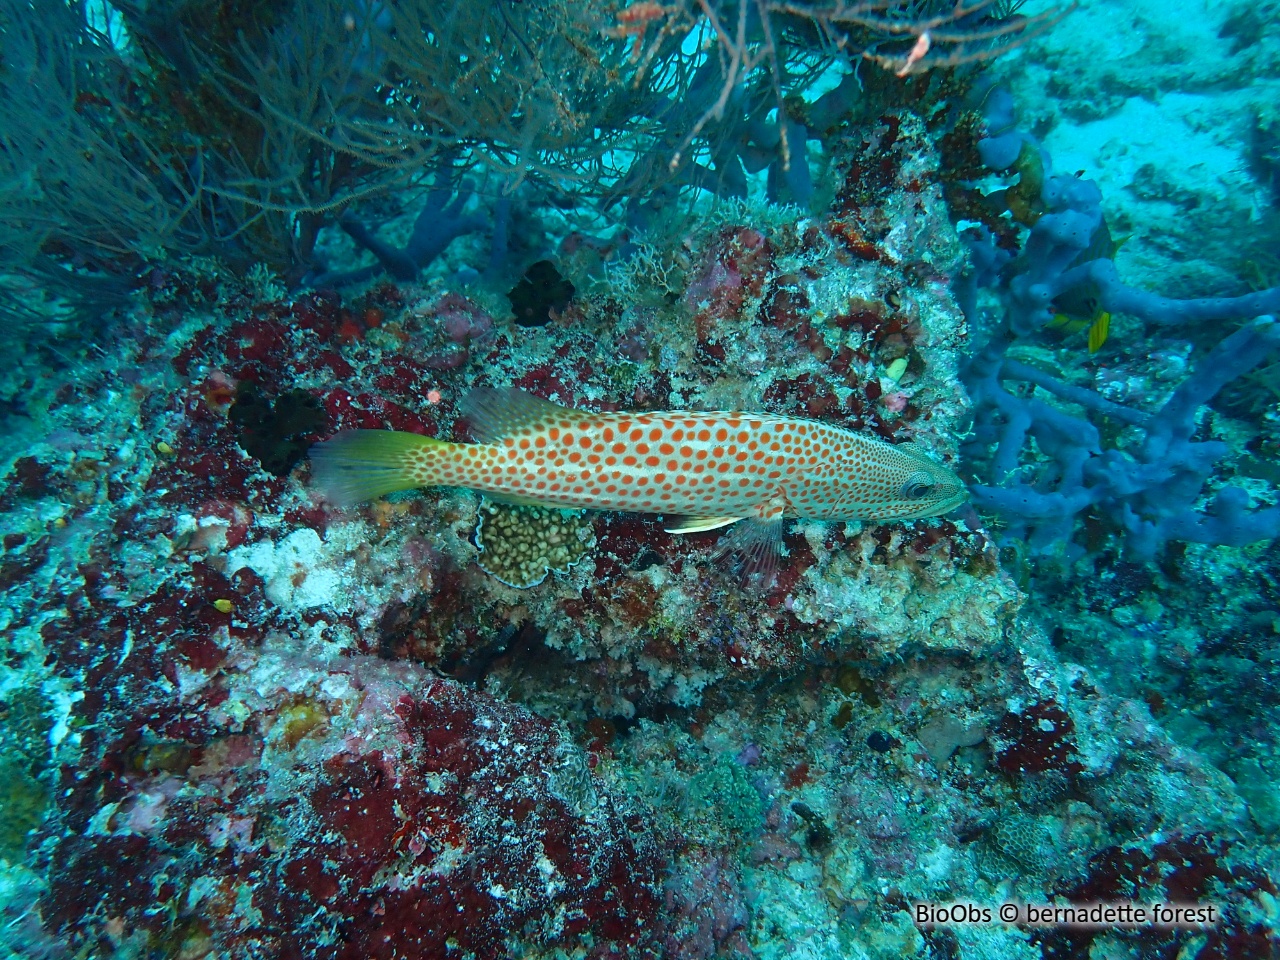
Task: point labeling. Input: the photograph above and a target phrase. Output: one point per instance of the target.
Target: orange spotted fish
(713, 468)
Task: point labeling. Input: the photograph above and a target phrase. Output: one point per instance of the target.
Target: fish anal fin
(701, 524)
(496, 413)
(519, 500)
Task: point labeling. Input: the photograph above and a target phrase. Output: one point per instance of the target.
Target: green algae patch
(726, 793)
(24, 762)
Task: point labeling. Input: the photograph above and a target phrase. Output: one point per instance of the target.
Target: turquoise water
(603, 686)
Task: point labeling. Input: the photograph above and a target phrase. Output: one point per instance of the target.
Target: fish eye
(917, 487)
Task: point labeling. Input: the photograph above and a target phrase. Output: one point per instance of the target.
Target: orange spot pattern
(684, 463)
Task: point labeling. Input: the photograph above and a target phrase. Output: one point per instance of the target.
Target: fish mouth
(959, 500)
(938, 508)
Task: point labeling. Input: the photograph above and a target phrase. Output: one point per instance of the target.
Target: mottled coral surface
(283, 729)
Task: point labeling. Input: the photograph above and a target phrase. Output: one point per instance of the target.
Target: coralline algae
(245, 723)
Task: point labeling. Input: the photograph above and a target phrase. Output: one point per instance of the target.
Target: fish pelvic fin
(359, 465)
(701, 524)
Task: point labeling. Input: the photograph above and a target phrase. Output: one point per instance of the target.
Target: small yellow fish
(713, 468)
(1099, 331)
(1080, 308)
(1098, 325)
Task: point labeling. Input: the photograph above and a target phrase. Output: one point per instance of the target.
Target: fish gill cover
(243, 720)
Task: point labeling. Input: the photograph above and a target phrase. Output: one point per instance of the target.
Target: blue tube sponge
(1048, 465)
(1150, 491)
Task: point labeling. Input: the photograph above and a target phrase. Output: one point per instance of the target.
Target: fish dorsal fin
(910, 446)
(496, 413)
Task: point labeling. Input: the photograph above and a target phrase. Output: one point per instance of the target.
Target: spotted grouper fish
(711, 468)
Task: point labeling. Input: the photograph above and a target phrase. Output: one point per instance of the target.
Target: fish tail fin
(1098, 332)
(359, 465)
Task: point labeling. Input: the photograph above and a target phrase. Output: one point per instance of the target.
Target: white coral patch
(300, 571)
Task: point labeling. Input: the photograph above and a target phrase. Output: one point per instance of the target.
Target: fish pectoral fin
(701, 524)
(1066, 324)
(755, 549)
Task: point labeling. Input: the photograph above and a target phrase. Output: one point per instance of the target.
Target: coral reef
(276, 434)
(237, 720)
(541, 293)
(325, 806)
(234, 638)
